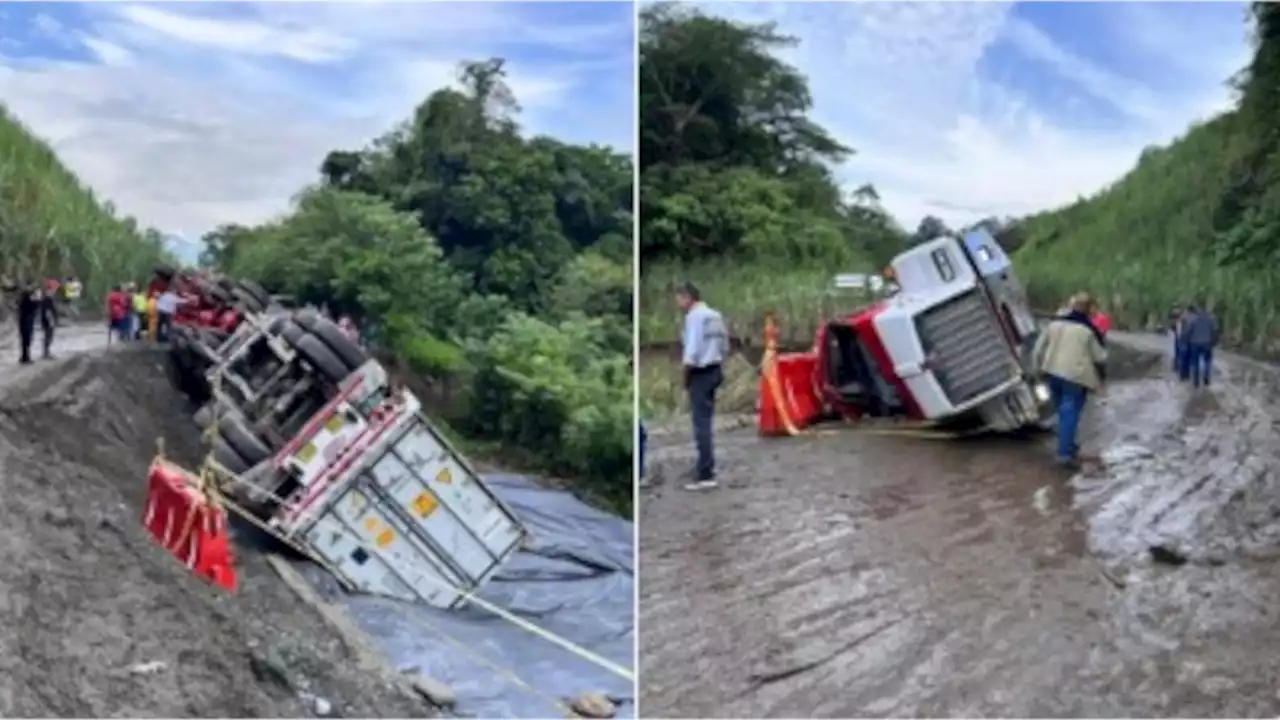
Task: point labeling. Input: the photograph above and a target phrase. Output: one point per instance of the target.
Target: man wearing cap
(705, 345)
(1072, 354)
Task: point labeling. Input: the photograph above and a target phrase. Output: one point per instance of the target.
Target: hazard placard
(425, 504)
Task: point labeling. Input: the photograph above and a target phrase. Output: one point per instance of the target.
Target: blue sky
(188, 115)
(968, 109)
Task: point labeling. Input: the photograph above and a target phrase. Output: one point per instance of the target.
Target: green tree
(480, 254)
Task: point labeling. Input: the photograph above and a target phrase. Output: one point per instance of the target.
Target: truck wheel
(341, 345)
(320, 357)
(292, 333)
(257, 292)
(244, 441)
(249, 302)
(227, 457)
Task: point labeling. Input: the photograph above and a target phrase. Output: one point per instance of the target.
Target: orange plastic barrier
(188, 524)
(788, 402)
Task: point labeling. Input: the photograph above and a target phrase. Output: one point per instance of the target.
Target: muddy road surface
(846, 574)
(99, 621)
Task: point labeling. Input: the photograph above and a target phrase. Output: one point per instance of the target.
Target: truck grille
(968, 351)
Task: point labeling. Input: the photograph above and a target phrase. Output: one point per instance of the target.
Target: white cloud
(938, 132)
(108, 52)
(188, 118)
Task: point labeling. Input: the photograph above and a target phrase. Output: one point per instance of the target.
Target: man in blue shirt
(706, 343)
(1200, 334)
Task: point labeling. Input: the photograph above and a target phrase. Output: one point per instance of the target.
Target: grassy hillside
(51, 224)
(1199, 219)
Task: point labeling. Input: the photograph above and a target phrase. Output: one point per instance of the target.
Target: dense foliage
(734, 175)
(468, 249)
(1197, 219)
(51, 224)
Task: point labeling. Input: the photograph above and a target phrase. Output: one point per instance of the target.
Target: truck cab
(950, 345)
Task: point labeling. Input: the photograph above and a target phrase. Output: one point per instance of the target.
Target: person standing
(139, 301)
(166, 308)
(153, 316)
(1175, 327)
(1185, 321)
(117, 315)
(1072, 355)
(48, 312)
(1200, 334)
(72, 288)
(28, 308)
(705, 344)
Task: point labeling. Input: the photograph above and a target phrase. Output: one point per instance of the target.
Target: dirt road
(855, 575)
(99, 620)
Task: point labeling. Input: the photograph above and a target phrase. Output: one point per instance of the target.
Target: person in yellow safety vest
(72, 289)
(139, 311)
(153, 317)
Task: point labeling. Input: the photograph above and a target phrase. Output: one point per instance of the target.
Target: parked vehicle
(951, 344)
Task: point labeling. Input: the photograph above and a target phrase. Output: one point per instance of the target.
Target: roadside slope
(90, 597)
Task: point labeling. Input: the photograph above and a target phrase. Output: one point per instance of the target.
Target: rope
(211, 471)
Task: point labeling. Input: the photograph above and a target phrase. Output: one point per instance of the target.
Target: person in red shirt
(1100, 320)
(118, 314)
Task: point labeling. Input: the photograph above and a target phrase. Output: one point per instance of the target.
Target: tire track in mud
(854, 575)
(91, 597)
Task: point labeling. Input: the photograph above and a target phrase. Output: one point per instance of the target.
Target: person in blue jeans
(1179, 350)
(1072, 356)
(1200, 333)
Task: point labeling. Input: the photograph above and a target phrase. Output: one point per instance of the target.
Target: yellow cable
(307, 552)
(210, 468)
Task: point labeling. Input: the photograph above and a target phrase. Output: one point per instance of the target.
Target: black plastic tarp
(575, 579)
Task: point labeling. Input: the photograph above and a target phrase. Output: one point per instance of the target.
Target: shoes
(707, 484)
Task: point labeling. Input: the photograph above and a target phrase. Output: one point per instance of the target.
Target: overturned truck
(321, 447)
(949, 346)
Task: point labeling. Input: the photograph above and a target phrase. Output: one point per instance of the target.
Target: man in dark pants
(48, 312)
(705, 343)
(1200, 335)
(28, 308)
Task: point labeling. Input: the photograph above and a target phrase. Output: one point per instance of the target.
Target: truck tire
(227, 457)
(249, 302)
(244, 441)
(331, 335)
(292, 333)
(257, 292)
(322, 359)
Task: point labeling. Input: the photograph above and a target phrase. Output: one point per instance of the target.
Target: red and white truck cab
(951, 343)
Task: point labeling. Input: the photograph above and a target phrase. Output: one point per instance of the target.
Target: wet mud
(845, 574)
(99, 620)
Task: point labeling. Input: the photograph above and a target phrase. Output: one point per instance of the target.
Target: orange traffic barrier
(189, 523)
(787, 400)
